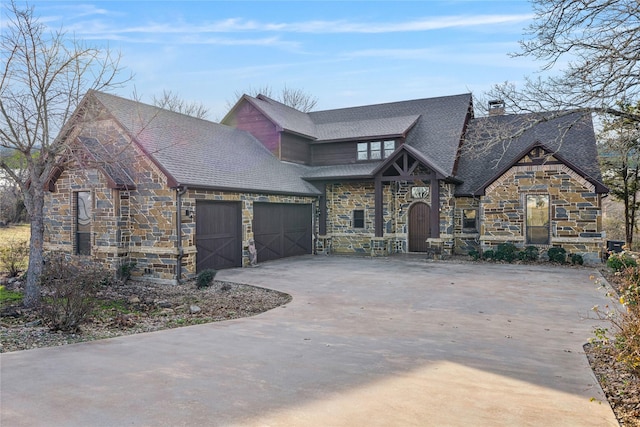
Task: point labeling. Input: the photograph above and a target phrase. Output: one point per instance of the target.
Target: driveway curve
(395, 341)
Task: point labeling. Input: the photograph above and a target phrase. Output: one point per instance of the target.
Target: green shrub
(620, 261)
(489, 254)
(558, 255)
(576, 259)
(69, 285)
(474, 254)
(530, 253)
(205, 278)
(14, 255)
(124, 270)
(506, 252)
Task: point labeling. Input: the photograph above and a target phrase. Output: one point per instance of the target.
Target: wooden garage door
(281, 230)
(218, 235)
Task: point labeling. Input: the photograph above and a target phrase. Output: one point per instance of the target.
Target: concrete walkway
(365, 342)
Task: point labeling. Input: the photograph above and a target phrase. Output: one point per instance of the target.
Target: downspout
(179, 193)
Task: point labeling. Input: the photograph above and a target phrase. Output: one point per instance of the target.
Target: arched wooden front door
(419, 227)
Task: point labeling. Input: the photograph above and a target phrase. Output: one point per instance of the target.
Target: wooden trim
(378, 207)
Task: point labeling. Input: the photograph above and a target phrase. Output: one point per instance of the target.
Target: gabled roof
(569, 136)
(433, 126)
(437, 132)
(287, 118)
(383, 128)
(199, 153)
(116, 167)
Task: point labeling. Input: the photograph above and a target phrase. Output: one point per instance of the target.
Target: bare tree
(43, 77)
(295, 98)
(620, 158)
(591, 50)
(173, 102)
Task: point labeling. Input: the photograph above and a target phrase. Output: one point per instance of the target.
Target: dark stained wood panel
(250, 119)
(295, 149)
(339, 153)
(218, 235)
(282, 230)
(419, 227)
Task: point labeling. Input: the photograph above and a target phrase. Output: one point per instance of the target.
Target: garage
(218, 235)
(282, 230)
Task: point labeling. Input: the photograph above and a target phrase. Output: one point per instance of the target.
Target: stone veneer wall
(466, 240)
(344, 198)
(189, 224)
(575, 209)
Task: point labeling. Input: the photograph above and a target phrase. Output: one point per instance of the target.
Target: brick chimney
(496, 107)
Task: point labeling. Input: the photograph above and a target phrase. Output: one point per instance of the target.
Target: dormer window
(375, 150)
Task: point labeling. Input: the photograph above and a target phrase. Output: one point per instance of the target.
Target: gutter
(180, 191)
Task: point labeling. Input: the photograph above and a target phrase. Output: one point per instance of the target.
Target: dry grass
(14, 232)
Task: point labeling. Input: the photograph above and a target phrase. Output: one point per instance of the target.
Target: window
(469, 222)
(83, 222)
(538, 219)
(389, 148)
(363, 151)
(420, 192)
(358, 218)
(375, 150)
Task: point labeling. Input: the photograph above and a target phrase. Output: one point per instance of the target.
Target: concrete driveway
(365, 342)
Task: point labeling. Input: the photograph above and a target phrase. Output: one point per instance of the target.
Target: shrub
(506, 252)
(69, 285)
(576, 259)
(620, 261)
(627, 322)
(489, 254)
(205, 278)
(124, 270)
(558, 255)
(474, 254)
(14, 255)
(530, 253)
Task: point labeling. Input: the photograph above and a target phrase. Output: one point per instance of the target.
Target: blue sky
(344, 53)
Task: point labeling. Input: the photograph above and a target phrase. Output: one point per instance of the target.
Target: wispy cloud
(240, 25)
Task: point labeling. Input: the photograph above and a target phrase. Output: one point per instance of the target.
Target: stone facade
(189, 223)
(574, 212)
(345, 198)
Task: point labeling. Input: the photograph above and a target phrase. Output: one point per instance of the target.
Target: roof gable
(495, 144)
(199, 153)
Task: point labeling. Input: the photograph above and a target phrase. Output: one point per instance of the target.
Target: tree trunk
(36, 248)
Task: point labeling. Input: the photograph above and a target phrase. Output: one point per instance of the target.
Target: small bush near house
(14, 255)
(475, 254)
(576, 259)
(205, 278)
(620, 261)
(69, 285)
(124, 270)
(558, 255)
(489, 254)
(506, 252)
(530, 253)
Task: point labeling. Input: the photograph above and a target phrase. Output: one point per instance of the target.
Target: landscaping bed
(136, 307)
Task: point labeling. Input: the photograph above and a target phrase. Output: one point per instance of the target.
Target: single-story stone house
(176, 194)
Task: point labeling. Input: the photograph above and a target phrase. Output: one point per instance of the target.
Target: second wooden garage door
(281, 230)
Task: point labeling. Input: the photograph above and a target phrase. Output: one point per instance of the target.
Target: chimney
(496, 107)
